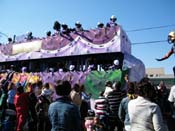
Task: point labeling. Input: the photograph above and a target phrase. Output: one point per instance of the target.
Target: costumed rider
(48, 34)
(92, 67)
(92, 64)
(51, 71)
(171, 40)
(57, 27)
(100, 30)
(72, 68)
(10, 40)
(100, 25)
(65, 32)
(65, 29)
(112, 22)
(115, 65)
(78, 26)
(29, 36)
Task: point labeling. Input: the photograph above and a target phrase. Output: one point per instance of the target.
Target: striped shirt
(114, 99)
(101, 106)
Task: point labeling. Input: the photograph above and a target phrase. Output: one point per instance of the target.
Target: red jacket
(21, 102)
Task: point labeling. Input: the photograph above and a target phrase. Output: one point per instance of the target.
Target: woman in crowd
(144, 114)
(123, 108)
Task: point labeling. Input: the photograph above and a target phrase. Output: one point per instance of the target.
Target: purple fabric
(74, 77)
(6, 49)
(82, 43)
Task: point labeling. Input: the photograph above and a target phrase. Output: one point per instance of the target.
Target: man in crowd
(63, 114)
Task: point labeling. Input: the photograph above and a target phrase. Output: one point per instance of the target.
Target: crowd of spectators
(31, 106)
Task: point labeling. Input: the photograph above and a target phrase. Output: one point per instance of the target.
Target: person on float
(78, 27)
(115, 65)
(112, 22)
(171, 40)
(57, 28)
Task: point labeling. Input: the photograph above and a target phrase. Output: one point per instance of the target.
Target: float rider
(171, 40)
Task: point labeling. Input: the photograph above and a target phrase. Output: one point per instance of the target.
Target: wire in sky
(150, 28)
(148, 42)
(3, 34)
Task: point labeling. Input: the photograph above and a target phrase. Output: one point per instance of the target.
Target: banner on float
(26, 47)
(95, 81)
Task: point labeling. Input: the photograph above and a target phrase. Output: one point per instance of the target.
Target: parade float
(101, 45)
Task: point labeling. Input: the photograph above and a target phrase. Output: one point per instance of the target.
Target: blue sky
(38, 16)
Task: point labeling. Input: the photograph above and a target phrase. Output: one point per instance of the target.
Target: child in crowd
(98, 126)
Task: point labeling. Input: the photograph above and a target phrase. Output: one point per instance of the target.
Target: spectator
(114, 98)
(85, 104)
(89, 123)
(98, 126)
(9, 77)
(32, 124)
(42, 107)
(47, 92)
(38, 88)
(123, 108)
(11, 96)
(21, 102)
(101, 105)
(108, 88)
(63, 114)
(3, 103)
(85, 96)
(101, 109)
(75, 95)
(144, 114)
(162, 98)
(171, 99)
(23, 77)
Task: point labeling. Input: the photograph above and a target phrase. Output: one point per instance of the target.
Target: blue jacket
(123, 111)
(64, 115)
